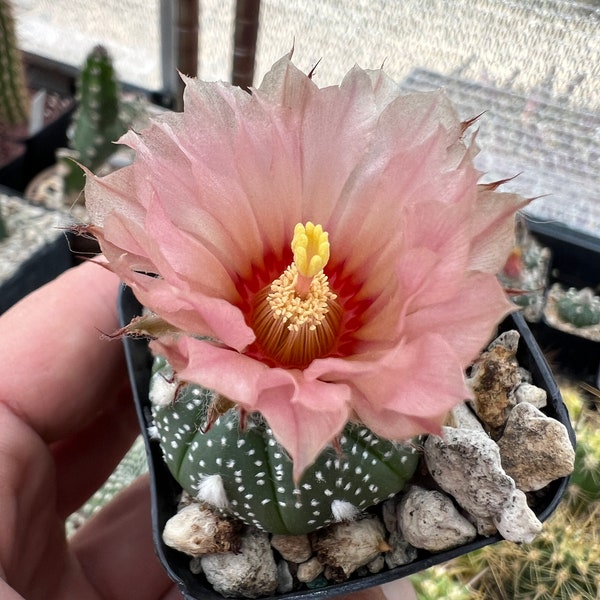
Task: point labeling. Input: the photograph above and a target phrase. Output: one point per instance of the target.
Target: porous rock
(493, 378)
(535, 448)
(401, 552)
(295, 548)
(249, 573)
(309, 570)
(344, 547)
(197, 530)
(429, 520)
(517, 522)
(466, 464)
(532, 394)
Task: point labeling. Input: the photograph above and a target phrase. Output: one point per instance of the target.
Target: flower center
(297, 317)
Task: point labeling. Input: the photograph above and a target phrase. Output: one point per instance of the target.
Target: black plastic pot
(166, 491)
(575, 263)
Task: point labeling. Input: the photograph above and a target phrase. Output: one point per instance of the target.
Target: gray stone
(517, 522)
(344, 547)
(309, 570)
(250, 573)
(401, 552)
(466, 464)
(429, 520)
(532, 394)
(535, 448)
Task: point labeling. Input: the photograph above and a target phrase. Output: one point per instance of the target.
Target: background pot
(165, 490)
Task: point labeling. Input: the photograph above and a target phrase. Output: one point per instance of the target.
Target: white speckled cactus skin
(257, 474)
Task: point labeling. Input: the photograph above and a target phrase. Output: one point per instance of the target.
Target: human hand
(66, 420)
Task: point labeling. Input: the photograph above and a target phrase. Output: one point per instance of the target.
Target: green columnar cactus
(14, 99)
(256, 473)
(581, 308)
(97, 122)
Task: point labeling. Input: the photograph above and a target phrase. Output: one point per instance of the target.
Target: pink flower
(400, 294)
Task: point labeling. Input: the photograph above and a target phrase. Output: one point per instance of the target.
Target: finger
(85, 460)
(56, 370)
(116, 551)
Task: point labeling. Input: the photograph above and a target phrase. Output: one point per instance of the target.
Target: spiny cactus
(581, 308)
(256, 473)
(14, 99)
(97, 122)
(562, 563)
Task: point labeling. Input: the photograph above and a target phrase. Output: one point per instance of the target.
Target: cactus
(97, 122)
(562, 563)
(14, 98)
(256, 473)
(581, 308)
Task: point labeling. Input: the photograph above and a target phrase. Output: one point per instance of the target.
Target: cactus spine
(97, 122)
(14, 99)
(256, 473)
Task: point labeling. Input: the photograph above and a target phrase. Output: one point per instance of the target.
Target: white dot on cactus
(311, 522)
(153, 432)
(271, 442)
(209, 443)
(365, 454)
(260, 482)
(258, 463)
(328, 492)
(358, 470)
(343, 511)
(229, 425)
(238, 480)
(219, 461)
(265, 501)
(186, 428)
(319, 476)
(281, 490)
(347, 486)
(251, 452)
(234, 503)
(373, 488)
(277, 455)
(279, 467)
(404, 459)
(366, 477)
(307, 486)
(230, 463)
(169, 456)
(282, 503)
(175, 415)
(202, 463)
(240, 442)
(246, 506)
(388, 454)
(298, 505)
(374, 461)
(354, 450)
(178, 435)
(223, 441)
(358, 492)
(314, 502)
(190, 457)
(174, 444)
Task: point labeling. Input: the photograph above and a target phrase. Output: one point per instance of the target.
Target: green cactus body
(14, 99)
(97, 122)
(579, 307)
(257, 473)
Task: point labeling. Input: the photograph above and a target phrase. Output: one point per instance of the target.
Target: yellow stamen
(296, 318)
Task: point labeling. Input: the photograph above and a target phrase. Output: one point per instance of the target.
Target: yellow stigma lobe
(310, 246)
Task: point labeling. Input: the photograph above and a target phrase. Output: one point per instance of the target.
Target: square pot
(165, 491)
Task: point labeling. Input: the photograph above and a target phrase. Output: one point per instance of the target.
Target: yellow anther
(310, 246)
